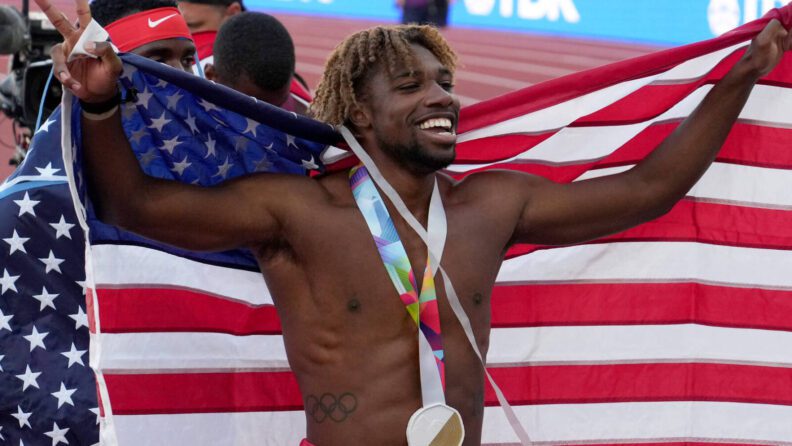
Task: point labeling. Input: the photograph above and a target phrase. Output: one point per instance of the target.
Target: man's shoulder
(485, 184)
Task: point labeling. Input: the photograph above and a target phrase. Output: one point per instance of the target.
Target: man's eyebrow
(407, 73)
(158, 52)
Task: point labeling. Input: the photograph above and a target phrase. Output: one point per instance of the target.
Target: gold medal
(435, 425)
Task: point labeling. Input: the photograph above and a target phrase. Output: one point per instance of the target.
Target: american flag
(675, 332)
(47, 389)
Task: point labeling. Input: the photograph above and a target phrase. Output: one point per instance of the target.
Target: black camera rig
(27, 37)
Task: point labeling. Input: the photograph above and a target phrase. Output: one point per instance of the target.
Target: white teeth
(443, 123)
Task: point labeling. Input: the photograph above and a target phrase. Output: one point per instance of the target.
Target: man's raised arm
(572, 213)
(236, 214)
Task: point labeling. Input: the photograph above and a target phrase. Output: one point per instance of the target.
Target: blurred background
(504, 45)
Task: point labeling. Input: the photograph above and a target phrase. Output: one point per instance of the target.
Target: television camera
(25, 93)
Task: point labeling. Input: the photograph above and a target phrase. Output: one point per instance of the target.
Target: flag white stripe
(653, 261)
(191, 351)
(640, 343)
(212, 352)
(659, 421)
(766, 105)
(156, 268)
(563, 114)
(732, 183)
(662, 422)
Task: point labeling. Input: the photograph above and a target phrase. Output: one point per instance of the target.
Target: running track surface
(492, 62)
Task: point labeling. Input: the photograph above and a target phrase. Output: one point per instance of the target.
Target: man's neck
(414, 188)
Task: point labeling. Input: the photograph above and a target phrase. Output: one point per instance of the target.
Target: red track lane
(493, 62)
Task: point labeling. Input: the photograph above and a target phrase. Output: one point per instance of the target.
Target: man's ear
(359, 117)
(233, 9)
(210, 72)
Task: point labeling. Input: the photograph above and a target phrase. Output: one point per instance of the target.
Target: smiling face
(411, 116)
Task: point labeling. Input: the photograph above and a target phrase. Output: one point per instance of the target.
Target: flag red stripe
(569, 384)
(714, 223)
(135, 310)
(640, 303)
(739, 148)
(167, 310)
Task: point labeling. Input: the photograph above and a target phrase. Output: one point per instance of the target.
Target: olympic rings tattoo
(329, 406)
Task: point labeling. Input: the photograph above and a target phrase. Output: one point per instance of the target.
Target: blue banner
(658, 21)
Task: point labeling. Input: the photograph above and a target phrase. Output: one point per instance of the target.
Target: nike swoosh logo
(157, 23)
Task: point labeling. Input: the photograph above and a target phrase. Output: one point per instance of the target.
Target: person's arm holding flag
(571, 213)
(234, 214)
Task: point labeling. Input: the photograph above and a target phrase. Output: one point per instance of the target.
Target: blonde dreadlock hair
(353, 59)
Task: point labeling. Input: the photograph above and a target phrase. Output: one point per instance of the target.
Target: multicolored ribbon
(422, 308)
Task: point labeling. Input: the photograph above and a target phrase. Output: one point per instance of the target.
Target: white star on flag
(179, 167)
(46, 298)
(144, 98)
(57, 434)
(173, 100)
(74, 356)
(22, 417)
(190, 121)
(210, 147)
(16, 242)
(52, 262)
(290, 141)
(251, 126)
(62, 228)
(137, 135)
(170, 144)
(36, 339)
(222, 170)
(1, 362)
(64, 395)
(7, 282)
(45, 126)
(309, 164)
(82, 284)
(26, 205)
(80, 318)
(208, 106)
(47, 171)
(4, 321)
(96, 411)
(29, 378)
(159, 123)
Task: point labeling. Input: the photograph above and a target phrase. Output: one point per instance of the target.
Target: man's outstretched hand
(91, 80)
(767, 48)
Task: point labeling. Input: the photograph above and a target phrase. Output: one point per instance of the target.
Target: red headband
(145, 27)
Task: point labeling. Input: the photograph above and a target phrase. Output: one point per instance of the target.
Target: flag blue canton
(47, 390)
(188, 129)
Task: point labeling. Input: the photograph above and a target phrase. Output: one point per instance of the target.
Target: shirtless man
(347, 334)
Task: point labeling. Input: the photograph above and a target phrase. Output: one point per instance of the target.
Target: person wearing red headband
(206, 17)
(150, 28)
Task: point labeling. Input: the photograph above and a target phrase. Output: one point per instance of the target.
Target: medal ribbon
(434, 254)
(422, 308)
